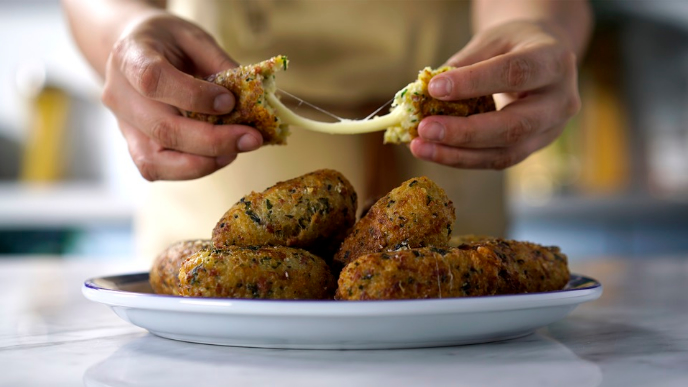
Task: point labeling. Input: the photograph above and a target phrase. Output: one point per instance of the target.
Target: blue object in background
(629, 226)
(95, 242)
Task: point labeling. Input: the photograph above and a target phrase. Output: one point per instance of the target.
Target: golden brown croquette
(418, 213)
(269, 272)
(164, 275)
(314, 212)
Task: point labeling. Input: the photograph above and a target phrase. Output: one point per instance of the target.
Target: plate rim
(330, 308)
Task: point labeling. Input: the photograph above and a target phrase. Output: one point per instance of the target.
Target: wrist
(569, 21)
(97, 25)
(554, 28)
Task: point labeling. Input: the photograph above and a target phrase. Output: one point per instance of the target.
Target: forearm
(572, 18)
(97, 24)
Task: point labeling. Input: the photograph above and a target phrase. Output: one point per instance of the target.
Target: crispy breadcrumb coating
(164, 274)
(526, 267)
(427, 272)
(250, 84)
(457, 240)
(314, 212)
(482, 268)
(418, 213)
(267, 272)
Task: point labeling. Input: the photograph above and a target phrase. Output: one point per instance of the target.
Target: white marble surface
(635, 335)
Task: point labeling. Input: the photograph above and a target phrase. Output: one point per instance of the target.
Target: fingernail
(434, 131)
(440, 87)
(247, 143)
(223, 103)
(223, 161)
(424, 150)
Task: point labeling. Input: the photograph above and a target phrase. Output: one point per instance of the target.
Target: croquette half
(250, 85)
(164, 274)
(416, 103)
(313, 212)
(267, 272)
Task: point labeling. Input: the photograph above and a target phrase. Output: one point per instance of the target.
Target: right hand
(149, 77)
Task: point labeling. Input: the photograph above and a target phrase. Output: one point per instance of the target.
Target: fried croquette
(526, 267)
(314, 212)
(427, 272)
(250, 85)
(418, 213)
(256, 272)
(416, 103)
(482, 268)
(164, 275)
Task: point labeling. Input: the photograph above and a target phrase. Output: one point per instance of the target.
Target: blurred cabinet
(64, 218)
(616, 181)
(53, 129)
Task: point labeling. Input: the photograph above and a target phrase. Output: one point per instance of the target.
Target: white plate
(337, 324)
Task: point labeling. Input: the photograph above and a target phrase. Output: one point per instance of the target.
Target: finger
(491, 158)
(157, 163)
(171, 131)
(515, 123)
(525, 70)
(154, 77)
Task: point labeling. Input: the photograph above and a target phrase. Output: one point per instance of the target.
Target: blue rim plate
(133, 291)
(337, 324)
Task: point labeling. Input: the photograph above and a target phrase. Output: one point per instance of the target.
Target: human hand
(149, 77)
(532, 72)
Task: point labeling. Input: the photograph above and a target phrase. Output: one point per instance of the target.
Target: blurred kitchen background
(615, 184)
(67, 185)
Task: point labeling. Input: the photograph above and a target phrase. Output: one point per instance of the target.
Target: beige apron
(349, 57)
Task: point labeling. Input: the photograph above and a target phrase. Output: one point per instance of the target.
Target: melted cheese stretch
(375, 124)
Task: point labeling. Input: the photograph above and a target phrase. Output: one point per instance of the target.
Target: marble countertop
(636, 334)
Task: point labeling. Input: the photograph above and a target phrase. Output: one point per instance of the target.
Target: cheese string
(321, 110)
(378, 109)
(375, 124)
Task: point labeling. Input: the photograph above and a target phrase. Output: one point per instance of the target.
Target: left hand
(532, 72)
